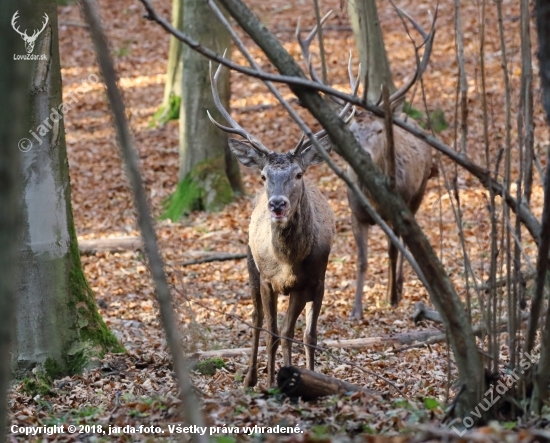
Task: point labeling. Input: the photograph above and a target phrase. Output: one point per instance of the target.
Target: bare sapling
(290, 237)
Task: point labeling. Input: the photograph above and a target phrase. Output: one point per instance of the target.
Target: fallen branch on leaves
(407, 339)
(125, 244)
(356, 343)
(112, 244)
(214, 257)
(309, 385)
(478, 329)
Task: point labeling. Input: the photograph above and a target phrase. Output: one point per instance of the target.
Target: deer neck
(292, 242)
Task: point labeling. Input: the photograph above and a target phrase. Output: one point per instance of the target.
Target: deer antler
(304, 46)
(13, 20)
(235, 127)
(35, 33)
(421, 67)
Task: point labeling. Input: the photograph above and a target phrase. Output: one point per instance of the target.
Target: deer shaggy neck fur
(289, 254)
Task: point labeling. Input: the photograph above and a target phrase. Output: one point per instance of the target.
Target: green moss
(413, 112)
(91, 326)
(205, 188)
(165, 113)
(38, 384)
(209, 366)
(94, 338)
(53, 368)
(436, 121)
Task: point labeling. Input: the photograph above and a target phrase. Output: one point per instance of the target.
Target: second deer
(413, 167)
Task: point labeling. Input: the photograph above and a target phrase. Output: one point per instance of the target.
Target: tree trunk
(14, 114)
(57, 322)
(170, 107)
(370, 45)
(208, 173)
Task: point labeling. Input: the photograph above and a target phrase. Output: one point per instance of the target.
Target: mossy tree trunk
(208, 173)
(57, 322)
(370, 45)
(13, 126)
(170, 107)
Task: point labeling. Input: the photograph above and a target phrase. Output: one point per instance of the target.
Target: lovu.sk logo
(29, 40)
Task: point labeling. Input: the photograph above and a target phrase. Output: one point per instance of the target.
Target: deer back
(413, 157)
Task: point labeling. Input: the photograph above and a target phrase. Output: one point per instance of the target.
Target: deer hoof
(356, 314)
(250, 381)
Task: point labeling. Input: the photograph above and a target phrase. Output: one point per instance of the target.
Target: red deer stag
(289, 241)
(413, 168)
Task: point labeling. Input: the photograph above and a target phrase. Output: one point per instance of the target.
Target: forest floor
(212, 300)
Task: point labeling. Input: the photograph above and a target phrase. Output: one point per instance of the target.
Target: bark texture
(208, 173)
(171, 102)
(13, 117)
(56, 319)
(370, 45)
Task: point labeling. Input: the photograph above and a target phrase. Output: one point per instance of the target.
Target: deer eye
(262, 177)
(299, 175)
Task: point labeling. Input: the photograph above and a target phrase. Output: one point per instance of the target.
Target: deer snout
(278, 205)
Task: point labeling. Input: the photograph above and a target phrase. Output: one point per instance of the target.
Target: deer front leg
(257, 320)
(361, 233)
(394, 289)
(296, 305)
(269, 301)
(313, 308)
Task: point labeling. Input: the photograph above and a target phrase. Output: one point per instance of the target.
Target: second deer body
(413, 168)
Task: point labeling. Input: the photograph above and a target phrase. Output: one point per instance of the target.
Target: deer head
(281, 173)
(29, 40)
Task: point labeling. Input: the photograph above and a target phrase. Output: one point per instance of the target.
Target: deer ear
(246, 154)
(310, 156)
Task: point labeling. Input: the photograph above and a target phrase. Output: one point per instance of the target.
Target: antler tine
(428, 45)
(304, 46)
(354, 83)
(235, 127)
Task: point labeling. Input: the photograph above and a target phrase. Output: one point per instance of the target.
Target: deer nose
(278, 204)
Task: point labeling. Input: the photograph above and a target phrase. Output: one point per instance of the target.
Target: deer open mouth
(278, 217)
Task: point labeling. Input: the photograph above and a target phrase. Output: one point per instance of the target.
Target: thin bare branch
(190, 411)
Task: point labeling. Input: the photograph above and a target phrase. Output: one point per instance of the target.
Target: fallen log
(309, 385)
(124, 244)
(213, 257)
(356, 343)
(112, 244)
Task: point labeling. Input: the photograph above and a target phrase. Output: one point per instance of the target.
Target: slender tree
(370, 45)
(170, 107)
(208, 173)
(13, 116)
(57, 322)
